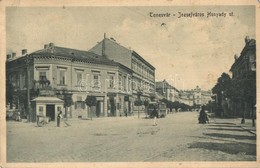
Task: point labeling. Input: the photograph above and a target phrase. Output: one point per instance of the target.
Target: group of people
(203, 117)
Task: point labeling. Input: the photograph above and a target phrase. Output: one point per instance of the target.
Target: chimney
(45, 46)
(8, 56)
(51, 45)
(13, 55)
(24, 51)
(236, 56)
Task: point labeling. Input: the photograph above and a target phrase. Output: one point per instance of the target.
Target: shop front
(47, 107)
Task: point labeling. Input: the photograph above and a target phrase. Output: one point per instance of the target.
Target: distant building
(168, 91)
(186, 97)
(195, 96)
(54, 69)
(143, 77)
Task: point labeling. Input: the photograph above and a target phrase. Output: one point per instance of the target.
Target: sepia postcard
(129, 84)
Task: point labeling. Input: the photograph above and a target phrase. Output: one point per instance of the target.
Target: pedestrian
(18, 117)
(155, 115)
(59, 117)
(125, 111)
(203, 117)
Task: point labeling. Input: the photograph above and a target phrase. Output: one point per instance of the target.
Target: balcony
(41, 84)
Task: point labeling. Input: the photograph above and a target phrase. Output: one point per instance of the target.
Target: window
(120, 82)
(124, 83)
(111, 81)
(17, 80)
(59, 108)
(22, 80)
(40, 111)
(129, 84)
(62, 77)
(79, 78)
(96, 80)
(253, 66)
(42, 75)
(80, 104)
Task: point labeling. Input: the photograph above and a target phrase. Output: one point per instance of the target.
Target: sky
(186, 51)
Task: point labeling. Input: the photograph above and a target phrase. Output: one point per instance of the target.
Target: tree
(249, 90)
(176, 105)
(235, 93)
(221, 89)
(68, 101)
(91, 101)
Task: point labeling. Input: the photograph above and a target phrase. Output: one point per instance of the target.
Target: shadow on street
(226, 129)
(223, 125)
(238, 137)
(230, 148)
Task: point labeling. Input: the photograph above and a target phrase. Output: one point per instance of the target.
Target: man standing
(59, 117)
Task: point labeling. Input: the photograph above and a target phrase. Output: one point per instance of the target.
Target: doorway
(112, 106)
(50, 111)
(98, 109)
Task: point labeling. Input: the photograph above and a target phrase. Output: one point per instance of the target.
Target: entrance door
(98, 109)
(112, 106)
(50, 111)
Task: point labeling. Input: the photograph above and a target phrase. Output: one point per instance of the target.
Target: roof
(162, 84)
(141, 58)
(250, 45)
(74, 54)
(132, 51)
(48, 99)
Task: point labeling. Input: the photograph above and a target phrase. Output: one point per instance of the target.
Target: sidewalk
(247, 126)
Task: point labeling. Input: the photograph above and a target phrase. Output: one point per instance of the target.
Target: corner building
(54, 69)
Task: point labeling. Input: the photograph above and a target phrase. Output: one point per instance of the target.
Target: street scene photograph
(130, 84)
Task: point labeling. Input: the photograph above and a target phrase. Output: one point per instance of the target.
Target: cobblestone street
(177, 137)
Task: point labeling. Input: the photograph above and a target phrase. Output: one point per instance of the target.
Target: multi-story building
(143, 77)
(246, 62)
(168, 91)
(80, 73)
(244, 69)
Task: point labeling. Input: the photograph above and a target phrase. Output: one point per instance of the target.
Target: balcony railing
(41, 84)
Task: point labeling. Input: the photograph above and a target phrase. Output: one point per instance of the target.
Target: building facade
(195, 97)
(244, 77)
(54, 69)
(143, 76)
(168, 91)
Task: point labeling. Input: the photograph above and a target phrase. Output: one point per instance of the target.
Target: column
(105, 105)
